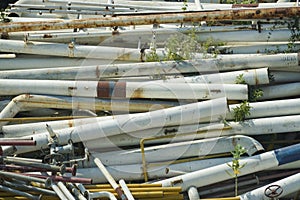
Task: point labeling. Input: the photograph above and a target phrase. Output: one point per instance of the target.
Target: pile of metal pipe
(177, 120)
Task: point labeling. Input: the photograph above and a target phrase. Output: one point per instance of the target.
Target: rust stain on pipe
(110, 89)
(154, 18)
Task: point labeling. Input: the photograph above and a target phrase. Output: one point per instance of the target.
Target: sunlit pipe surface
(220, 172)
(276, 189)
(186, 114)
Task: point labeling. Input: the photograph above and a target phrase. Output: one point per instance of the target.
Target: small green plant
(3, 16)
(240, 112)
(185, 5)
(240, 79)
(152, 56)
(255, 93)
(236, 166)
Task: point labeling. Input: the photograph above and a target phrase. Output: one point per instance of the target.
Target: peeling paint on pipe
(179, 115)
(109, 89)
(159, 18)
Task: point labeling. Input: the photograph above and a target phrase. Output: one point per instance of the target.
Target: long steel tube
(58, 191)
(72, 50)
(65, 191)
(179, 115)
(96, 72)
(110, 179)
(49, 167)
(220, 172)
(159, 18)
(105, 89)
(262, 109)
(17, 192)
(29, 188)
(26, 102)
(177, 150)
(46, 181)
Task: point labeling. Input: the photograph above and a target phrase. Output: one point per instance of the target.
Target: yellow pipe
(226, 198)
(143, 140)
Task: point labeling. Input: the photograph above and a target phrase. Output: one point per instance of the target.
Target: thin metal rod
(17, 192)
(23, 177)
(62, 178)
(29, 187)
(126, 190)
(160, 18)
(18, 142)
(58, 191)
(110, 179)
(65, 190)
(49, 167)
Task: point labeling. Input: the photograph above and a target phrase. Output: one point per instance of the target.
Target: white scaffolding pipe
(280, 91)
(96, 195)
(27, 102)
(95, 72)
(261, 126)
(39, 62)
(257, 47)
(71, 50)
(251, 77)
(220, 172)
(276, 189)
(161, 4)
(284, 76)
(269, 108)
(119, 90)
(179, 150)
(162, 170)
(179, 115)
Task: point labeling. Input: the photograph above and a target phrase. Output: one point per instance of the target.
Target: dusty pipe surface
(179, 115)
(159, 18)
(176, 150)
(96, 71)
(119, 90)
(72, 50)
(219, 173)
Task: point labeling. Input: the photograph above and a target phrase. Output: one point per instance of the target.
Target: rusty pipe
(17, 142)
(110, 179)
(62, 178)
(24, 177)
(155, 18)
(44, 166)
(71, 170)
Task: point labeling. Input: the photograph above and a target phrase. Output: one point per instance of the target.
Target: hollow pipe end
(74, 170)
(48, 182)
